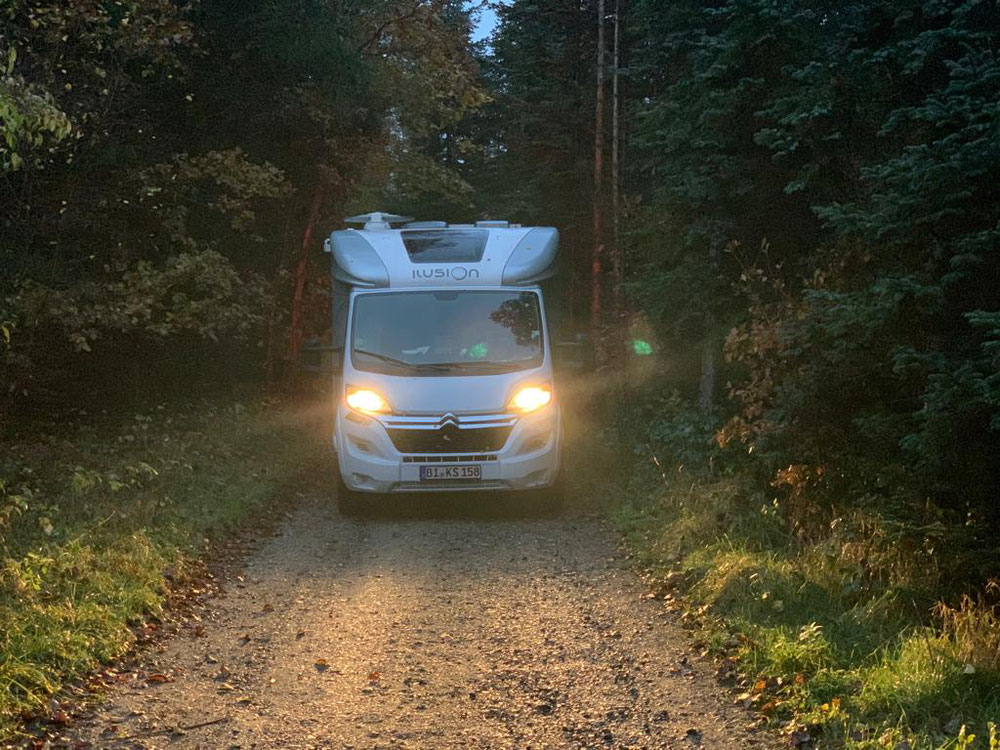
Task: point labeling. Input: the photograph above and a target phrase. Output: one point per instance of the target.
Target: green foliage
(74, 60)
(856, 145)
(190, 295)
(531, 145)
(13, 502)
(193, 197)
(427, 76)
(200, 294)
(673, 431)
(29, 117)
(162, 160)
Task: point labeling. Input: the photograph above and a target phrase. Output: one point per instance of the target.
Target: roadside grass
(100, 518)
(833, 656)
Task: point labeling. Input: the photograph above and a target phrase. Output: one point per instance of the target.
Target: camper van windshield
(446, 332)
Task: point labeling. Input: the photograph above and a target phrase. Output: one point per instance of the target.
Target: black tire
(349, 502)
(554, 498)
(547, 502)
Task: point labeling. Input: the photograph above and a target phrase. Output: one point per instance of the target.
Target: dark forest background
(800, 201)
(809, 215)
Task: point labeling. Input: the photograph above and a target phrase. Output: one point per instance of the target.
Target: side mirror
(321, 358)
(573, 356)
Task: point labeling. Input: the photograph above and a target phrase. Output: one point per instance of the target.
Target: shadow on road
(479, 506)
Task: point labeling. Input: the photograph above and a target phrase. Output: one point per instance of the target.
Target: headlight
(366, 401)
(531, 398)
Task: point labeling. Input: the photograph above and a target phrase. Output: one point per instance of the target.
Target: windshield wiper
(403, 363)
(385, 358)
(498, 367)
(510, 366)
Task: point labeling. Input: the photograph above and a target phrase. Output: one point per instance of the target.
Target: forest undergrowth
(844, 628)
(102, 517)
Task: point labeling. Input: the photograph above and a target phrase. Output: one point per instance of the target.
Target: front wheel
(349, 502)
(550, 500)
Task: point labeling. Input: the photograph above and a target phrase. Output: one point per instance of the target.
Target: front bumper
(370, 462)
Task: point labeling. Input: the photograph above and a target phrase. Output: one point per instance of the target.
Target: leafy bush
(29, 116)
(831, 610)
(826, 635)
(191, 296)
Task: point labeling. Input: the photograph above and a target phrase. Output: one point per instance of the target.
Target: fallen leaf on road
(374, 676)
(726, 670)
(800, 739)
(158, 677)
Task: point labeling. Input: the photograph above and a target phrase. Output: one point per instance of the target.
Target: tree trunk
(706, 383)
(270, 347)
(595, 279)
(616, 249)
(298, 295)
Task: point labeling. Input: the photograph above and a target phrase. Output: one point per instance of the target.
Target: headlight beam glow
(531, 398)
(366, 401)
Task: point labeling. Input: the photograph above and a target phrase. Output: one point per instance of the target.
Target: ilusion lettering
(457, 273)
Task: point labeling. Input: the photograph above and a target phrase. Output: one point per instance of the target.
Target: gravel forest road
(436, 631)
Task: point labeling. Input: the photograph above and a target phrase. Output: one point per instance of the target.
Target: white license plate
(432, 473)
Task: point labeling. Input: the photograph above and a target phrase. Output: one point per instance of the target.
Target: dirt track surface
(443, 631)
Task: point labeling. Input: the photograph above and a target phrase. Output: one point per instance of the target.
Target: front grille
(448, 485)
(450, 439)
(451, 458)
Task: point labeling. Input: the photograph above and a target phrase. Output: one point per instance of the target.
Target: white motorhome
(444, 375)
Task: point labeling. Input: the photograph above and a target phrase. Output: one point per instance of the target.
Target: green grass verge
(832, 657)
(94, 518)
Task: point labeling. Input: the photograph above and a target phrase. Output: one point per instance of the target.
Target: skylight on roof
(445, 245)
